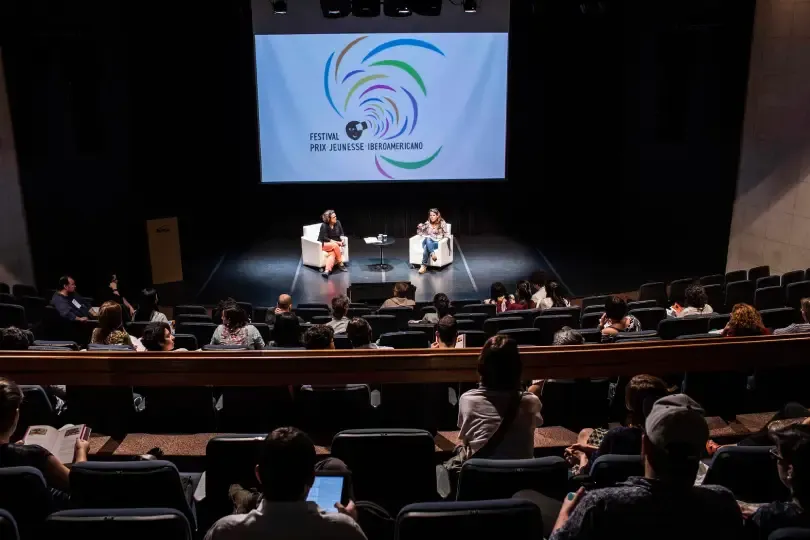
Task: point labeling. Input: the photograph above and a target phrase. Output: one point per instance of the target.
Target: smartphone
(326, 491)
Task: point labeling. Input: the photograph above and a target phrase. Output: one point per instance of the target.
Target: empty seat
(598, 300)
(34, 308)
(677, 290)
(768, 281)
(758, 272)
(548, 325)
(636, 336)
(8, 525)
(639, 304)
(470, 520)
(593, 308)
(649, 317)
(202, 331)
(367, 452)
(713, 279)
(574, 311)
(26, 497)
(610, 469)
(525, 336)
(736, 275)
(247, 307)
(716, 295)
(591, 335)
(590, 320)
(528, 315)
(192, 318)
(359, 312)
(489, 309)
(795, 292)
(264, 331)
(496, 324)
(474, 338)
(739, 292)
(381, 324)
(230, 459)
(792, 277)
(654, 291)
(405, 340)
(429, 329)
(321, 319)
(20, 290)
(8, 298)
(779, 317)
(130, 484)
(119, 523)
(718, 321)
(769, 297)
(482, 479)
(403, 314)
(329, 409)
(12, 315)
(749, 472)
(189, 310)
(185, 341)
(314, 305)
(672, 328)
(477, 318)
(4, 288)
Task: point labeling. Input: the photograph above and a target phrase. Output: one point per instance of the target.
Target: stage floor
(269, 268)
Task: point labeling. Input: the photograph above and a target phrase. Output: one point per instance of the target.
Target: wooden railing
(261, 368)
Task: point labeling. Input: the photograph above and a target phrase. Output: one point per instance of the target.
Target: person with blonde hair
(110, 330)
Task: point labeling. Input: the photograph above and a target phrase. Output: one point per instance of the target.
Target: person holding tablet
(331, 238)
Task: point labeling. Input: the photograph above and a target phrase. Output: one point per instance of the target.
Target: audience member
(497, 296)
(665, 503)
(359, 334)
(615, 319)
(446, 333)
(110, 330)
(564, 336)
(538, 283)
(113, 293)
(340, 307)
(31, 455)
(639, 395)
(400, 298)
(797, 328)
(286, 472)
(148, 308)
(284, 305)
(745, 321)
(696, 303)
(157, 336)
(14, 339)
(481, 410)
(553, 297)
(286, 332)
(70, 305)
(792, 453)
(522, 298)
(235, 329)
(441, 304)
(319, 336)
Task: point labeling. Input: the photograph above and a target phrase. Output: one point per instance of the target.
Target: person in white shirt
(696, 303)
(553, 297)
(538, 281)
(286, 472)
(340, 306)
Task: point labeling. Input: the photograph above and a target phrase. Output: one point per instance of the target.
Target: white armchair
(444, 253)
(312, 254)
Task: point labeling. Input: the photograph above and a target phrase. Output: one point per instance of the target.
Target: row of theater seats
(749, 472)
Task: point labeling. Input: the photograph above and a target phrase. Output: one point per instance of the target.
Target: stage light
(429, 8)
(396, 8)
(280, 7)
(333, 9)
(470, 6)
(366, 8)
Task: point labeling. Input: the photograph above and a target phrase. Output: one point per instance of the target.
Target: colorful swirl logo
(373, 103)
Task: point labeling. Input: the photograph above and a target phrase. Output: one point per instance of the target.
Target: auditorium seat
(677, 290)
(633, 337)
(718, 321)
(25, 496)
(35, 410)
(308, 313)
(672, 328)
(636, 336)
(202, 331)
(716, 295)
(321, 319)
(474, 338)
(524, 336)
(749, 472)
(34, 308)
(229, 459)
(591, 335)
(68, 345)
(595, 308)
(119, 523)
(739, 292)
(467, 324)
(20, 290)
(736, 275)
(489, 309)
(649, 317)
(790, 533)
(640, 304)
(8, 526)
(548, 325)
(795, 292)
(8, 298)
(705, 335)
(189, 310)
(594, 301)
(791, 277)
(590, 320)
(311, 305)
(209, 347)
(106, 409)
(111, 348)
(470, 520)
(130, 484)
(429, 329)
(247, 307)
(12, 315)
(185, 341)
(713, 279)
(779, 317)
(656, 290)
(136, 328)
(528, 315)
(381, 324)
(192, 318)
(574, 311)
(4, 288)
(392, 467)
(769, 298)
(361, 311)
(496, 324)
(758, 272)
(483, 479)
(768, 281)
(403, 314)
(610, 469)
(702, 386)
(405, 340)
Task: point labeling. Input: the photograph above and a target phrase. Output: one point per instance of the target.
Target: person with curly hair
(235, 329)
(697, 303)
(745, 321)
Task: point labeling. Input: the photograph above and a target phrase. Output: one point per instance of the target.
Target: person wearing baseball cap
(665, 503)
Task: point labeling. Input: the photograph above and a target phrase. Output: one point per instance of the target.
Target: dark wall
(623, 138)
